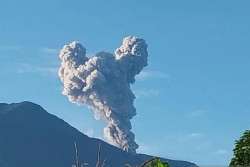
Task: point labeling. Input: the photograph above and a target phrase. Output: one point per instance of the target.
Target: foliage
(98, 163)
(242, 151)
(77, 162)
(154, 162)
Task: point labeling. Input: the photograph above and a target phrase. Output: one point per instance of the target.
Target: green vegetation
(77, 161)
(242, 151)
(154, 162)
(98, 163)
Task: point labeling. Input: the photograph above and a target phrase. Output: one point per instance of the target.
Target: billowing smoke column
(103, 84)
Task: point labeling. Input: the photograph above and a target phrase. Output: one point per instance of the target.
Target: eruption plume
(103, 84)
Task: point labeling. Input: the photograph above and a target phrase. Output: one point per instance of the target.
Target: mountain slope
(29, 136)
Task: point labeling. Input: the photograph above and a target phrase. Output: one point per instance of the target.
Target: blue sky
(192, 99)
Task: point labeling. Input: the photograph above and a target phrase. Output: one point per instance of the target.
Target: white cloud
(151, 74)
(89, 132)
(221, 152)
(146, 93)
(148, 149)
(187, 137)
(195, 135)
(7, 47)
(29, 68)
(50, 50)
(197, 113)
(143, 149)
(51, 70)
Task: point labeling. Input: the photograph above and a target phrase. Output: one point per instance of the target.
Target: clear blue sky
(193, 98)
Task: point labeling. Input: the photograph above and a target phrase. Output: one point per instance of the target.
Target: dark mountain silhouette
(31, 137)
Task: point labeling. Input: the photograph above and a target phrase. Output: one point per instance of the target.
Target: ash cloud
(103, 84)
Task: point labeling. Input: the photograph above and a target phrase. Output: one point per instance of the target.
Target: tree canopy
(242, 151)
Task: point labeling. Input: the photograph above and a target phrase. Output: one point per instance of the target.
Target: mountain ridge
(30, 136)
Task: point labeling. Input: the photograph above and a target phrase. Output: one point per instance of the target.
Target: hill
(31, 137)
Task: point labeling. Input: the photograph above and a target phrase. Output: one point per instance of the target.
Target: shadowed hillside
(31, 137)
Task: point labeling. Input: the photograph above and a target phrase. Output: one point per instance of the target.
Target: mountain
(31, 137)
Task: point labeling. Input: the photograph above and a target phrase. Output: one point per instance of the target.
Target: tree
(242, 151)
(154, 162)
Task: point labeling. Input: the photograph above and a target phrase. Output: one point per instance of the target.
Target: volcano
(31, 137)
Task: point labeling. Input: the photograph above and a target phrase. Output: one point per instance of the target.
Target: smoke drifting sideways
(103, 84)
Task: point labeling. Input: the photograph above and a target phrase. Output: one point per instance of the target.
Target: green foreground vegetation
(242, 151)
(153, 162)
(241, 156)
